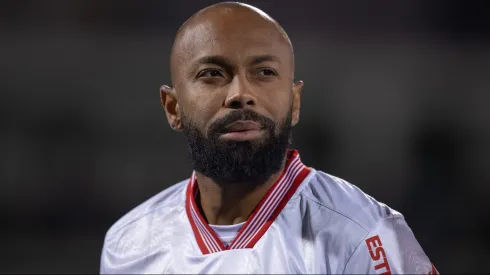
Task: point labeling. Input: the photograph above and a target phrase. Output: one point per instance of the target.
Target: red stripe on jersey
(188, 203)
(266, 206)
(297, 180)
(433, 271)
(261, 217)
(207, 238)
(204, 230)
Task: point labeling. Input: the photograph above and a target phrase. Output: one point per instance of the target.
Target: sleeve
(102, 260)
(390, 248)
(106, 258)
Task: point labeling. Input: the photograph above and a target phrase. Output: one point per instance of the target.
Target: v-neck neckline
(261, 217)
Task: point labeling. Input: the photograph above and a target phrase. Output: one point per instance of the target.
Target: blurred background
(396, 102)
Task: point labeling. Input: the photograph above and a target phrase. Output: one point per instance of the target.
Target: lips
(242, 126)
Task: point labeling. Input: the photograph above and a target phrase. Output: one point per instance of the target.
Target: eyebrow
(254, 60)
(216, 60)
(227, 64)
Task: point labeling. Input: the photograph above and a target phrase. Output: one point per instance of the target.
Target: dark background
(396, 102)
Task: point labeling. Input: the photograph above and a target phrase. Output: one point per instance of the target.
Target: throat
(230, 204)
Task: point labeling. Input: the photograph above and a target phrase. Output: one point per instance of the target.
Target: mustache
(236, 115)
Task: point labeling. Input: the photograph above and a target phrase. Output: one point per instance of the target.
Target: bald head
(221, 23)
(230, 8)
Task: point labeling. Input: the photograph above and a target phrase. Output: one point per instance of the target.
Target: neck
(231, 203)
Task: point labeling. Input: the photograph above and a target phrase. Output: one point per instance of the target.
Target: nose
(240, 94)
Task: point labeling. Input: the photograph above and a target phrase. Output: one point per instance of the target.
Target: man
(251, 205)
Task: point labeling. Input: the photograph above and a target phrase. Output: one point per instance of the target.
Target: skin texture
(229, 57)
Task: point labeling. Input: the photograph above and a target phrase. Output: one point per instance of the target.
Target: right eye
(210, 73)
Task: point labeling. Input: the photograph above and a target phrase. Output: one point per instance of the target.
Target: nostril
(250, 102)
(236, 104)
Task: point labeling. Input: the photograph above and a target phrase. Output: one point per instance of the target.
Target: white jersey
(308, 222)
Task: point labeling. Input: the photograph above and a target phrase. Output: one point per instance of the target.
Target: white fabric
(227, 233)
(327, 226)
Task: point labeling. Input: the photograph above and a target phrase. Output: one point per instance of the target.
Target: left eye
(266, 72)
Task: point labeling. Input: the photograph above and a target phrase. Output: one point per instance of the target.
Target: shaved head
(233, 94)
(223, 18)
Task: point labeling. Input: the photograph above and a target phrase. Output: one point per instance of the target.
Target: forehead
(233, 36)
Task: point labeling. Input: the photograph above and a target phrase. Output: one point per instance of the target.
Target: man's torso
(317, 232)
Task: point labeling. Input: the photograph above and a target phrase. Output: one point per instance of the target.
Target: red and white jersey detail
(308, 222)
(261, 217)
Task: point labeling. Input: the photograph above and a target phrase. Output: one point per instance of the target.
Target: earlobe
(169, 102)
(297, 90)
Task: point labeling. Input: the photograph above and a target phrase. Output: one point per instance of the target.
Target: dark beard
(244, 162)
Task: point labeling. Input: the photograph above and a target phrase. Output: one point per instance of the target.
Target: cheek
(278, 104)
(200, 108)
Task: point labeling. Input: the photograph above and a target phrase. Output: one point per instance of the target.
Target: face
(233, 97)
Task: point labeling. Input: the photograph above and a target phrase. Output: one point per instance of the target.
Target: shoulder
(169, 199)
(143, 228)
(338, 197)
(352, 223)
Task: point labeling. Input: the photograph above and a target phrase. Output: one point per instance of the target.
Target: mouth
(242, 130)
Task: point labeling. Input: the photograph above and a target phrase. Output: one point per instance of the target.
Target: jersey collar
(261, 217)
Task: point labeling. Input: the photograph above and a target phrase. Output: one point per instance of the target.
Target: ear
(297, 89)
(168, 97)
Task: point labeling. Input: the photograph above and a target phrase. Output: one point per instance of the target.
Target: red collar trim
(261, 217)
